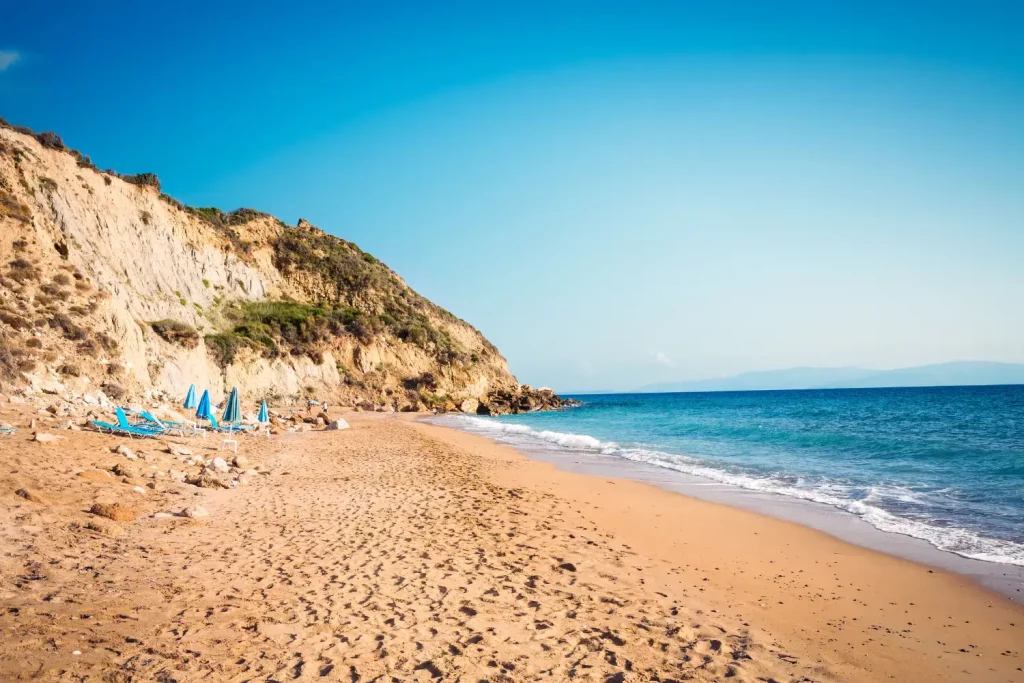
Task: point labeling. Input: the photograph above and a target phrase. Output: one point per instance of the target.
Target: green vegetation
(355, 281)
(176, 332)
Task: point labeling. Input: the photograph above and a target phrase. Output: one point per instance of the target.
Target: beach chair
(183, 428)
(232, 427)
(125, 427)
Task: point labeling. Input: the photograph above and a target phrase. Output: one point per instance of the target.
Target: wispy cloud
(8, 58)
(664, 359)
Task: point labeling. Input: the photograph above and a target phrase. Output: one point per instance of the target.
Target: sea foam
(948, 538)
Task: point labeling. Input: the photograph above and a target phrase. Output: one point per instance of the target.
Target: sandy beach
(401, 551)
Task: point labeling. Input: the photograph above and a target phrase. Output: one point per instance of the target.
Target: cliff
(106, 283)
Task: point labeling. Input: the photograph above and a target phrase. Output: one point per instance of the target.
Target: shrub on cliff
(176, 332)
(143, 180)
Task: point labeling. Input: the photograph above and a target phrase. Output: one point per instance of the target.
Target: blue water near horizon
(944, 464)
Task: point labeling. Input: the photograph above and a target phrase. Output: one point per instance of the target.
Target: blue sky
(614, 193)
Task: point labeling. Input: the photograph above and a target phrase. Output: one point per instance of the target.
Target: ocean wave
(867, 506)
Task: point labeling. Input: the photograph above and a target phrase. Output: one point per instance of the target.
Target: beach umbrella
(190, 397)
(232, 411)
(203, 411)
(264, 415)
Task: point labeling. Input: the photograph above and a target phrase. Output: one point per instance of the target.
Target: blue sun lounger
(125, 427)
(233, 427)
(149, 421)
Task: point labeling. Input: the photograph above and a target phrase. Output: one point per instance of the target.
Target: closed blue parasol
(264, 415)
(190, 397)
(203, 411)
(232, 411)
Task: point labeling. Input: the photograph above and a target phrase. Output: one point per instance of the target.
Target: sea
(943, 464)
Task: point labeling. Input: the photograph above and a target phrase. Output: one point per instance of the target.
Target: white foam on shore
(963, 542)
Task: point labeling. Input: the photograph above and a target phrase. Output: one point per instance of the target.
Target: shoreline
(648, 513)
(1005, 579)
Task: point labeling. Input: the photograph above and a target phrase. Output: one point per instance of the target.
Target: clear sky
(615, 193)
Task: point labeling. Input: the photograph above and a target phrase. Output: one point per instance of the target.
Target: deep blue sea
(942, 464)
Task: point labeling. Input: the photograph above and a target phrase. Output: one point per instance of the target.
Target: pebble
(195, 511)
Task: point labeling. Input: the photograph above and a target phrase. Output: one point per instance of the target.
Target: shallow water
(945, 465)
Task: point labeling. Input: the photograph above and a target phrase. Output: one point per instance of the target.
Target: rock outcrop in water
(106, 284)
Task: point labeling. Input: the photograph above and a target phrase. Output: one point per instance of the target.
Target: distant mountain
(958, 373)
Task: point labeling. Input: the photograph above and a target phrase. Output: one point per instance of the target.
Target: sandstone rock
(51, 386)
(242, 479)
(206, 481)
(139, 490)
(194, 512)
(118, 512)
(162, 515)
(175, 449)
(337, 424)
(105, 527)
(43, 437)
(219, 465)
(32, 496)
(469, 406)
(126, 452)
(241, 462)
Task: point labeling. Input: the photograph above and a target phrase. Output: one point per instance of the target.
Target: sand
(399, 551)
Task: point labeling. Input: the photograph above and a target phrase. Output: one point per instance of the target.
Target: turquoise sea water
(943, 464)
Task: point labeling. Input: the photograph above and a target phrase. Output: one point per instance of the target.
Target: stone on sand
(43, 437)
(118, 512)
(337, 424)
(194, 511)
(206, 481)
(241, 462)
(32, 496)
(105, 527)
(469, 406)
(126, 452)
(219, 465)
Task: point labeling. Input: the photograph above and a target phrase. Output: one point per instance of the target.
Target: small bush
(107, 342)
(34, 343)
(23, 271)
(70, 330)
(143, 180)
(176, 332)
(89, 348)
(62, 279)
(12, 208)
(50, 140)
(146, 217)
(48, 184)
(113, 390)
(14, 321)
(70, 370)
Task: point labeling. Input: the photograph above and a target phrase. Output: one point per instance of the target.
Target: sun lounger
(125, 427)
(149, 420)
(233, 427)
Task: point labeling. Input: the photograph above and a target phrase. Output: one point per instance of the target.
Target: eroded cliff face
(104, 281)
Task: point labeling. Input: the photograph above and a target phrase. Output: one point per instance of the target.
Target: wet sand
(404, 551)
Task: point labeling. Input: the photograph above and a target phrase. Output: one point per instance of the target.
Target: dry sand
(398, 551)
